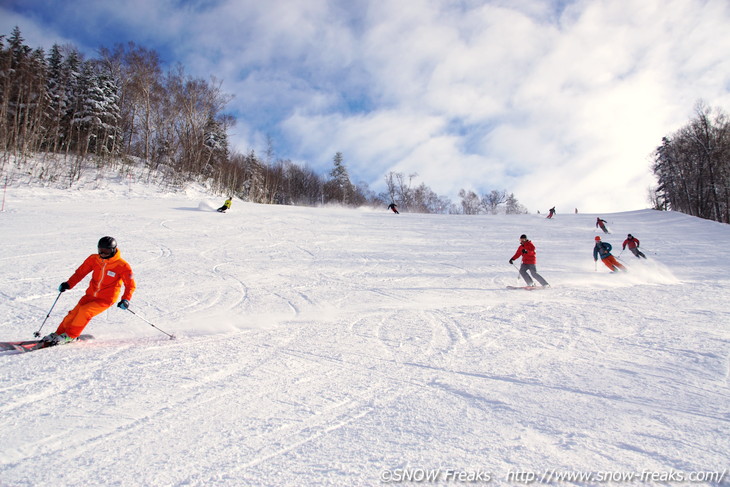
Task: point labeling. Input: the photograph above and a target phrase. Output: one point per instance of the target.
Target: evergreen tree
(216, 141)
(512, 206)
(108, 111)
(57, 99)
(71, 74)
(17, 94)
(84, 119)
(340, 184)
(253, 175)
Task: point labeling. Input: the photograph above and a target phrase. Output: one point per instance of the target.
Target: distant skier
(394, 208)
(602, 224)
(633, 244)
(603, 250)
(226, 205)
(551, 212)
(527, 251)
(108, 272)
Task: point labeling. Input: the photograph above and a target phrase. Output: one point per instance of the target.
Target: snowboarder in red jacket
(633, 244)
(527, 252)
(602, 224)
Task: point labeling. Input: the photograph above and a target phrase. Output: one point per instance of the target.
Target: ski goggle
(105, 252)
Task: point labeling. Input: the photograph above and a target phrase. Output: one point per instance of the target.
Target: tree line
(122, 107)
(692, 167)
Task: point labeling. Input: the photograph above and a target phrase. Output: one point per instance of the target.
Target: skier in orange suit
(108, 272)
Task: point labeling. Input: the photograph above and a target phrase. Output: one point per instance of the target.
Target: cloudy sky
(559, 101)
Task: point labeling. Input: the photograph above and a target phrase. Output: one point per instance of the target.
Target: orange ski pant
(612, 263)
(77, 319)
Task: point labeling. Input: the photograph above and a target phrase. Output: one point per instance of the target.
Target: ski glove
(124, 304)
(64, 286)
(511, 261)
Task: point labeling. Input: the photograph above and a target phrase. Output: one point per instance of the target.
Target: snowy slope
(344, 347)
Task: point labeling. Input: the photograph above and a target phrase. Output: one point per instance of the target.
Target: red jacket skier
(527, 251)
(108, 272)
(633, 244)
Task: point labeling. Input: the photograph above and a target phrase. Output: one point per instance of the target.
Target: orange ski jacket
(107, 276)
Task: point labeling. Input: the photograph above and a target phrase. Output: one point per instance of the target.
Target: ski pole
(38, 333)
(518, 271)
(172, 337)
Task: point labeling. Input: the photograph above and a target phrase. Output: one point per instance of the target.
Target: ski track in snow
(326, 346)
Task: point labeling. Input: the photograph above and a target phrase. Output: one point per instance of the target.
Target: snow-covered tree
(97, 115)
(512, 206)
(216, 141)
(470, 202)
(692, 166)
(57, 99)
(340, 186)
(493, 199)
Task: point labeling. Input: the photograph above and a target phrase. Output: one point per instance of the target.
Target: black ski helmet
(108, 243)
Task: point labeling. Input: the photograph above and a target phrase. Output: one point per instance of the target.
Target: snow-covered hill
(342, 347)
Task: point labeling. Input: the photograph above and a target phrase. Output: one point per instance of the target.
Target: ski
(30, 345)
(527, 288)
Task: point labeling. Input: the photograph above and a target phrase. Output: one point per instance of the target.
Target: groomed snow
(329, 346)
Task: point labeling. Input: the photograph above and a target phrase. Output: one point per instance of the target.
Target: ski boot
(54, 339)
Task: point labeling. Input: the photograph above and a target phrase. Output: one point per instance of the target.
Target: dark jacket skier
(603, 250)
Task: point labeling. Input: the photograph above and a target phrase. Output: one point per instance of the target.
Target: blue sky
(560, 102)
